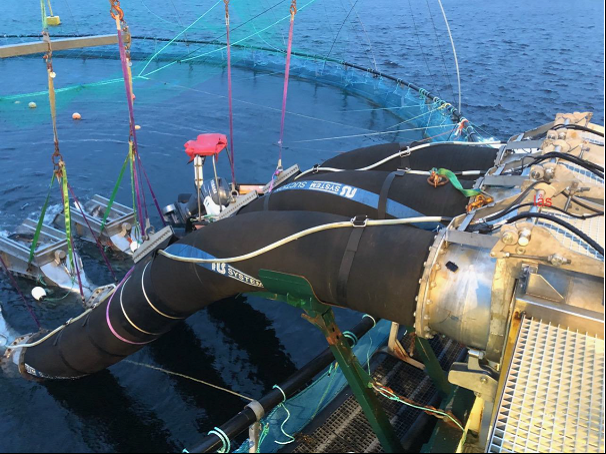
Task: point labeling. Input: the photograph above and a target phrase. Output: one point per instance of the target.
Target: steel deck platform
(553, 400)
(342, 427)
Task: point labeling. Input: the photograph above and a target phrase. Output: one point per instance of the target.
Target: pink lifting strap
(107, 318)
(293, 12)
(133, 130)
(229, 96)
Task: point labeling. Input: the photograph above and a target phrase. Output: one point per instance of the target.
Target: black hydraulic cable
(572, 158)
(561, 210)
(578, 202)
(590, 166)
(582, 235)
(580, 128)
(513, 204)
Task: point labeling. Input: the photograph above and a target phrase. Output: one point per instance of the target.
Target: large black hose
(453, 156)
(382, 282)
(350, 193)
(380, 279)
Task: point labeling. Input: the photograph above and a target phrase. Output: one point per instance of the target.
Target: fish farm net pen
(243, 420)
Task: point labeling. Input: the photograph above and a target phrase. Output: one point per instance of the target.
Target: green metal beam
(432, 365)
(446, 436)
(298, 292)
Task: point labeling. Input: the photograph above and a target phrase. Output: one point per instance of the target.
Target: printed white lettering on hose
(219, 267)
(322, 186)
(295, 185)
(348, 192)
(234, 273)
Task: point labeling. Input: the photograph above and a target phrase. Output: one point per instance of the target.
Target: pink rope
(285, 95)
(151, 191)
(131, 113)
(107, 318)
(133, 131)
(229, 96)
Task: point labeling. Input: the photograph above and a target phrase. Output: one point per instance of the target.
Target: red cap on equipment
(206, 145)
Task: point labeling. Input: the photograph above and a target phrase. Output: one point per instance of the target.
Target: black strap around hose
(348, 257)
(383, 196)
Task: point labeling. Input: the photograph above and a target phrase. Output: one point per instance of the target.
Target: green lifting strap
(456, 183)
(112, 199)
(32, 250)
(68, 217)
(43, 12)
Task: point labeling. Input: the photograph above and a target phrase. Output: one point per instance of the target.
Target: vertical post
(395, 348)
(393, 337)
(199, 181)
(254, 432)
(432, 365)
(357, 378)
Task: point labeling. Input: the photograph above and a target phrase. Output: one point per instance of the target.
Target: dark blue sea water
(521, 63)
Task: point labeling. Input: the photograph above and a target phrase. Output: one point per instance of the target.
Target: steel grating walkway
(345, 428)
(553, 397)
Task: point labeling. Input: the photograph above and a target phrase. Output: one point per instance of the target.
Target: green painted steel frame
(298, 292)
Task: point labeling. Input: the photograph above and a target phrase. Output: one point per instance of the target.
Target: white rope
(128, 318)
(302, 234)
(428, 173)
(372, 51)
(51, 334)
(399, 154)
(417, 117)
(149, 301)
(382, 133)
(187, 377)
(261, 106)
(454, 52)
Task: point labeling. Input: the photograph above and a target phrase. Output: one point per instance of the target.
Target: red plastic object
(206, 145)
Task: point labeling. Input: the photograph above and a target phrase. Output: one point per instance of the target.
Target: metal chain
(293, 8)
(226, 11)
(56, 157)
(117, 13)
(116, 10)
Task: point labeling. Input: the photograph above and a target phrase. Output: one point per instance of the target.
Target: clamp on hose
(359, 221)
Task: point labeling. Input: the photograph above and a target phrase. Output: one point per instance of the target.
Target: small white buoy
(38, 293)
(32, 105)
(137, 127)
(17, 102)
(76, 116)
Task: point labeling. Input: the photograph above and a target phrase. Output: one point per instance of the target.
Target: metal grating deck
(593, 227)
(553, 398)
(345, 429)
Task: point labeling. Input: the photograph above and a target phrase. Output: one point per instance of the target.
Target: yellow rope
(148, 366)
